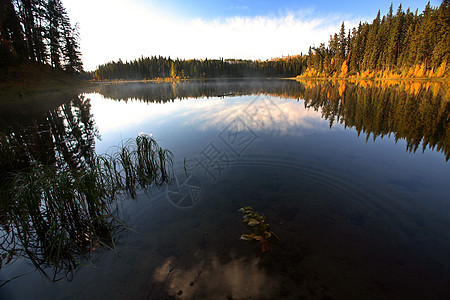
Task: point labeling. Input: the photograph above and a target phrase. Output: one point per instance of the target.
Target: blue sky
(212, 9)
(128, 29)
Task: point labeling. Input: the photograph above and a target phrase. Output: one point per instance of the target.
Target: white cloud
(116, 29)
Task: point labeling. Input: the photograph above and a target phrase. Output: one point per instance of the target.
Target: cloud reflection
(259, 113)
(239, 278)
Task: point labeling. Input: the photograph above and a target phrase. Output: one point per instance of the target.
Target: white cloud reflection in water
(286, 116)
(239, 278)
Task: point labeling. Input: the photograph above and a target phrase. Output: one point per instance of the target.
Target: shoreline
(18, 89)
(442, 80)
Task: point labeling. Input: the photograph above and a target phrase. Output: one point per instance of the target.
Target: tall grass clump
(56, 216)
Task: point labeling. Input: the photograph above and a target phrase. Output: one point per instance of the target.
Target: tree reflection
(63, 135)
(165, 92)
(418, 112)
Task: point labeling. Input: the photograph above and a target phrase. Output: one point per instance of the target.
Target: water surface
(353, 179)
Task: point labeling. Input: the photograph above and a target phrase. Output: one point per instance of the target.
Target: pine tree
(371, 50)
(12, 43)
(70, 50)
(441, 52)
(342, 44)
(395, 37)
(54, 21)
(426, 37)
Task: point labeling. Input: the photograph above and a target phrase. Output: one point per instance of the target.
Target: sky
(129, 29)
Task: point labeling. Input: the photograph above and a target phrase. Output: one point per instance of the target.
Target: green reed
(56, 215)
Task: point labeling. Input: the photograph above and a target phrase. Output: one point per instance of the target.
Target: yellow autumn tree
(441, 70)
(419, 71)
(344, 69)
(341, 88)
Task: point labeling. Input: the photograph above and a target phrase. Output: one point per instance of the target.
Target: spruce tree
(12, 43)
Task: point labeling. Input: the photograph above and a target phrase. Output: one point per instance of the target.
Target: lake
(353, 178)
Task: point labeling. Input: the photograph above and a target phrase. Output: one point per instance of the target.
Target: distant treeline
(40, 32)
(404, 44)
(161, 67)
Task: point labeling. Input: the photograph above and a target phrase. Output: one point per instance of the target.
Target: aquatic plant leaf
(246, 210)
(252, 222)
(251, 236)
(273, 234)
(246, 237)
(264, 246)
(260, 229)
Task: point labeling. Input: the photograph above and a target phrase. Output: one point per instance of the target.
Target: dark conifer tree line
(162, 67)
(38, 31)
(399, 44)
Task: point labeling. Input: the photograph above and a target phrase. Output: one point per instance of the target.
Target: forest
(38, 32)
(396, 45)
(403, 44)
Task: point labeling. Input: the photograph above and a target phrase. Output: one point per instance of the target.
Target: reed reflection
(57, 196)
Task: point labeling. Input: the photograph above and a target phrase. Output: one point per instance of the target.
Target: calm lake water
(353, 178)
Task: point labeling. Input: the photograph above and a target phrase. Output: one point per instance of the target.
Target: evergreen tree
(54, 19)
(38, 31)
(441, 50)
(12, 43)
(342, 44)
(70, 50)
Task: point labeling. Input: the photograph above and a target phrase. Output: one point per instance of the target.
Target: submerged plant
(260, 229)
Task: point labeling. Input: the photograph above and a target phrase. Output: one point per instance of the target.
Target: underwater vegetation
(260, 229)
(56, 215)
